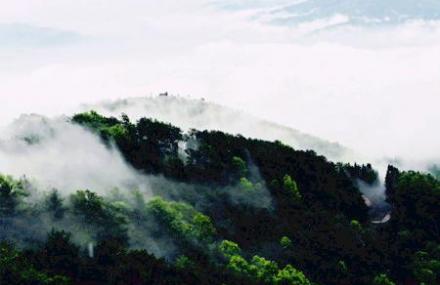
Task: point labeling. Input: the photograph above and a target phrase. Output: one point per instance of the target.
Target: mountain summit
(200, 114)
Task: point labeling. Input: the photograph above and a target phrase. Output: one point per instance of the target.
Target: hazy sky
(375, 88)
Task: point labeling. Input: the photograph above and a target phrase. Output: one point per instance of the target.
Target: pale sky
(373, 88)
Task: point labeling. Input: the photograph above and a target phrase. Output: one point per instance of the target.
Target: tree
(238, 265)
(203, 227)
(11, 194)
(182, 220)
(60, 255)
(416, 200)
(239, 166)
(262, 269)
(54, 204)
(291, 187)
(183, 263)
(391, 178)
(106, 220)
(229, 248)
(246, 184)
(355, 225)
(382, 279)
(426, 267)
(290, 276)
(15, 269)
(365, 173)
(342, 267)
(286, 242)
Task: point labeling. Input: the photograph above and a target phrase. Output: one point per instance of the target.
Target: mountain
(189, 113)
(366, 11)
(356, 12)
(142, 202)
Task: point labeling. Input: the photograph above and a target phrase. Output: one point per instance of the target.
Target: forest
(223, 209)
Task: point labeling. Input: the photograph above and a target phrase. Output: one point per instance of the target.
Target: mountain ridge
(188, 113)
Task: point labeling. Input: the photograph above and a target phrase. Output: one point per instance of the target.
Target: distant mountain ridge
(365, 12)
(355, 12)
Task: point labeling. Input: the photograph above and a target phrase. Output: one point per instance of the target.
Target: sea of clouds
(371, 87)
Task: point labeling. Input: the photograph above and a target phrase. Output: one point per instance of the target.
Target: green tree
(239, 265)
(239, 166)
(107, 128)
(382, 279)
(426, 268)
(182, 220)
(11, 195)
(286, 242)
(262, 269)
(291, 187)
(183, 263)
(416, 200)
(355, 225)
(259, 268)
(202, 226)
(246, 184)
(291, 276)
(229, 248)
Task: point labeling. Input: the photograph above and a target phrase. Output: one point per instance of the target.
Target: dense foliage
(365, 173)
(227, 210)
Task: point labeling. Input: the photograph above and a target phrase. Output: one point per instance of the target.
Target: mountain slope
(199, 114)
(220, 209)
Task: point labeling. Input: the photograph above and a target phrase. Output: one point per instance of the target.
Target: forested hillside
(187, 113)
(220, 209)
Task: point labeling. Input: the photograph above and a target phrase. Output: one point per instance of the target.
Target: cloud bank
(53, 153)
(372, 88)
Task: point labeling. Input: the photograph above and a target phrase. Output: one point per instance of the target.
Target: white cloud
(373, 89)
(57, 154)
